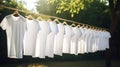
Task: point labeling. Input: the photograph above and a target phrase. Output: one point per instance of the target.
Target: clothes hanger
(73, 25)
(65, 23)
(96, 28)
(86, 26)
(39, 18)
(78, 26)
(16, 13)
(49, 20)
(92, 27)
(83, 26)
(30, 17)
(57, 21)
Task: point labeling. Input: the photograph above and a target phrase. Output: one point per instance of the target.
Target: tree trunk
(114, 19)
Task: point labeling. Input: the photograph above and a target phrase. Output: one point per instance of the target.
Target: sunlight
(30, 4)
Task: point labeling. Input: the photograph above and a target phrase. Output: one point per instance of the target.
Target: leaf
(72, 15)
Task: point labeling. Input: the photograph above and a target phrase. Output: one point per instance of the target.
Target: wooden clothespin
(16, 13)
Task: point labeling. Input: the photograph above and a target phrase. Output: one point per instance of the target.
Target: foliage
(44, 8)
(72, 6)
(14, 4)
(97, 14)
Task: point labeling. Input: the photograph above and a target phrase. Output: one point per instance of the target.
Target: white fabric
(93, 43)
(81, 41)
(74, 41)
(30, 37)
(49, 51)
(46, 39)
(89, 40)
(67, 39)
(58, 43)
(41, 39)
(108, 36)
(15, 28)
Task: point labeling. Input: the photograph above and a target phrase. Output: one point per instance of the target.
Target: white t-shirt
(102, 41)
(81, 41)
(58, 43)
(30, 37)
(76, 33)
(67, 39)
(97, 38)
(107, 36)
(15, 28)
(49, 51)
(89, 40)
(41, 39)
(94, 41)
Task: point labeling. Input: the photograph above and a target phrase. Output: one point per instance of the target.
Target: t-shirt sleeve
(109, 35)
(3, 24)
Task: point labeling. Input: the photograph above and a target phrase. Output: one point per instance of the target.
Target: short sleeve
(109, 36)
(3, 24)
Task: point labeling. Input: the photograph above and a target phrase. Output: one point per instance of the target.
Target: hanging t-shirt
(15, 28)
(58, 43)
(81, 41)
(67, 39)
(106, 39)
(30, 37)
(49, 51)
(101, 43)
(41, 39)
(89, 39)
(108, 36)
(74, 41)
(94, 40)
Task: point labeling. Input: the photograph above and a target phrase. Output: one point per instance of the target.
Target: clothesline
(73, 22)
(42, 38)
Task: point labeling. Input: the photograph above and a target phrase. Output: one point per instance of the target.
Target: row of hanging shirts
(42, 38)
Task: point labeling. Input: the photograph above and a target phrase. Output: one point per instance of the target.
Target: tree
(72, 6)
(114, 6)
(97, 14)
(115, 13)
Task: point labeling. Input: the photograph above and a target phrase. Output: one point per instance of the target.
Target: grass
(89, 63)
